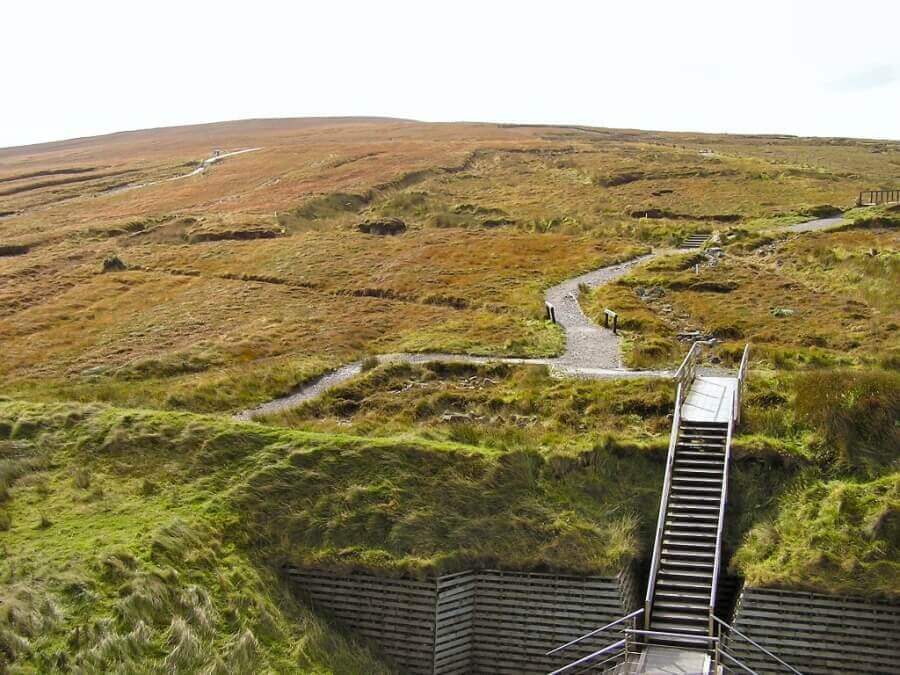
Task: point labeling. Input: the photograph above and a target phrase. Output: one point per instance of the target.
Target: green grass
(112, 565)
(159, 535)
(150, 541)
(833, 536)
(497, 406)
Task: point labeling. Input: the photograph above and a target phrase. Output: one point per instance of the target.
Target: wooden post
(551, 312)
(609, 314)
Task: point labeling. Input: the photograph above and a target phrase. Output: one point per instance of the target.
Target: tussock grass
(838, 536)
(496, 406)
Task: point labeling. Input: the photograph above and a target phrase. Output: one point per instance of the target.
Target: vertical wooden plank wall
(474, 622)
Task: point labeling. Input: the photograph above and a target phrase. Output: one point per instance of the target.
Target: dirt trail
(201, 168)
(591, 351)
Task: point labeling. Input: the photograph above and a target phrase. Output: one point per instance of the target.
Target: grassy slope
(803, 433)
(218, 325)
(159, 535)
(145, 539)
(142, 540)
(810, 300)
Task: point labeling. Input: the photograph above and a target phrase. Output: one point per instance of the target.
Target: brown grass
(494, 215)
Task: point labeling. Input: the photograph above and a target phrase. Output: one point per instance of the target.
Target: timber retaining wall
(817, 634)
(474, 622)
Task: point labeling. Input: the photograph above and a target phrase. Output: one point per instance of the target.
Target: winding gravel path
(817, 224)
(591, 351)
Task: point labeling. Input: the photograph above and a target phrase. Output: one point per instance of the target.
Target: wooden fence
(875, 197)
(817, 634)
(474, 622)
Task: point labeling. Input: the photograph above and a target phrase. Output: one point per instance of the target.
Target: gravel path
(818, 224)
(591, 351)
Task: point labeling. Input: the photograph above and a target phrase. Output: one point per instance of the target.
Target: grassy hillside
(155, 539)
(239, 283)
(144, 530)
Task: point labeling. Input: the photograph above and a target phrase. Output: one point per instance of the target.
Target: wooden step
(678, 496)
(691, 444)
(687, 488)
(688, 555)
(695, 484)
(711, 463)
(685, 433)
(698, 454)
(701, 473)
(687, 515)
(689, 543)
(677, 579)
(686, 576)
(689, 533)
(673, 562)
(669, 627)
(678, 617)
(681, 595)
(687, 607)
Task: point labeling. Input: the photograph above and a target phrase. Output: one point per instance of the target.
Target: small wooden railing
(875, 197)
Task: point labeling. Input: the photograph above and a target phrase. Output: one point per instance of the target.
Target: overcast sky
(812, 68)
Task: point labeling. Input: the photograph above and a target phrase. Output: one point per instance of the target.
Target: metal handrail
(750, 670)
(663, 503)
(686, 371)
(732, 629)
(634, 614)
(741, 378)
(584, 659)
(717, 561)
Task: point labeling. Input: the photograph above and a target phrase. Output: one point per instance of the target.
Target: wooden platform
(710, 399)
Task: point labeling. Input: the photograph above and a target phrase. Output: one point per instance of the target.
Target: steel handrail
(742, 377)
(732, 629)
(657, 633)
(750, 670)
(688, 365)
(663, 506)
(584, 659)
(634, 614)
(717, 561)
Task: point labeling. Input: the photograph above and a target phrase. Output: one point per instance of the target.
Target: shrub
(113, 263)
(369, 363)
(82, 478)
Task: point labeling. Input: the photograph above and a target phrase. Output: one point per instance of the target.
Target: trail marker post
(551, 312)
(609, 315)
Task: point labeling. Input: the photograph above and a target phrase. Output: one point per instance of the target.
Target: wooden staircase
(695, 241)
(691, 530)
(687, 554)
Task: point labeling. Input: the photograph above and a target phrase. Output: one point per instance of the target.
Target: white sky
(822, 67)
